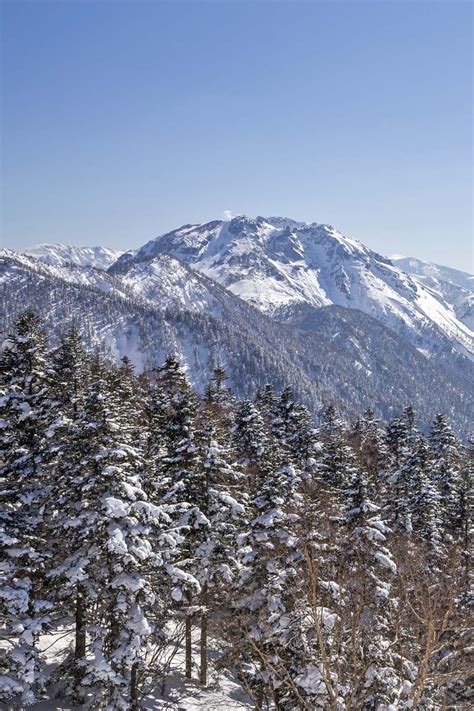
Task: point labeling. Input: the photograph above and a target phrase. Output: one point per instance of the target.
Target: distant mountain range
(274, 300)
(57, 255)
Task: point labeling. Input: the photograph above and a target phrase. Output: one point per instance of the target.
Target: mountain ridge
(274, 262)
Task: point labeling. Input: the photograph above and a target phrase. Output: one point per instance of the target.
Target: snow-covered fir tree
(294, 431)
(70, 373)
(23, 495)
(215, 563)
(248, 434)
(266, 401)
(115, 545)
(400, 433)
(269, 555)
(369, 443)
(181, 482)
(376, 682)
(444, 455)
(427, 516)
(336, 462)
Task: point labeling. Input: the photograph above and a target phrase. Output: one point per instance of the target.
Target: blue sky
(121, 120)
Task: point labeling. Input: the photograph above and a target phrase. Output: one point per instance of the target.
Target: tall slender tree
(23, 496)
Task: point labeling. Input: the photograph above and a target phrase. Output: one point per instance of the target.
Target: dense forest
(328, 562)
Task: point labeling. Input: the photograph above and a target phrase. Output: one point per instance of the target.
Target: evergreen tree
(69, 372)
(368, 441)
(399, 436)
(444, 462)
(155, 435)
(427, 514)
(267, 402)
(465, 514)
(219, 402)
(294, 432)
(115, 545)
(215, 562)
(181, 482)
(401, 486)
(255, 449)
(369, 605)
(217, 391)
(23, 496)
(268, 554)
(336, 462)
(68, 382)
(248, 434)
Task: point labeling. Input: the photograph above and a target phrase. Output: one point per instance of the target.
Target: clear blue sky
(121, 120)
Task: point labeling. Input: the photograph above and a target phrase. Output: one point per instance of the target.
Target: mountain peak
(278, 262)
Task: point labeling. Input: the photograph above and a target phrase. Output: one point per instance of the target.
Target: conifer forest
(165, 538)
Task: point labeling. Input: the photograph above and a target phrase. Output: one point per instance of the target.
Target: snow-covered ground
(223, 693)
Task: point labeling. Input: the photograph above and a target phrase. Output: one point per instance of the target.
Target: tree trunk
(80, 628)
(79, 646)
(134, 704)
(203, 671)
(276, 700)
(189, 642)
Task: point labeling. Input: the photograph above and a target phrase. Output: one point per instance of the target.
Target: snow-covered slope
(62, 254)
(277, 262)
(420, 267)
(165, 281)
(73, 273)
(451, 286)
(118, 321)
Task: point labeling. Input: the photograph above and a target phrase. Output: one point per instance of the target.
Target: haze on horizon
(122, 120)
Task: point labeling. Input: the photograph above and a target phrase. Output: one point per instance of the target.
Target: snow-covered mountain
(275, 263)
(63, 254)
(274, 300)
(452, 286)
(327, 354)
